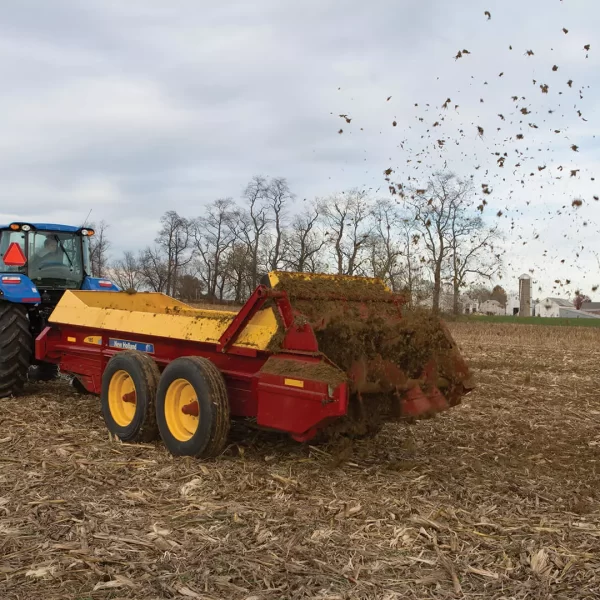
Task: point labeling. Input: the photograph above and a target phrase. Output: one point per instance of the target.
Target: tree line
(430, 238)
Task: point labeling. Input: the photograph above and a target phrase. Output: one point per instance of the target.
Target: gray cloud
(132, 108)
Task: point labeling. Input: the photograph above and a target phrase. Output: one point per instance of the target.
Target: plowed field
(497, 498)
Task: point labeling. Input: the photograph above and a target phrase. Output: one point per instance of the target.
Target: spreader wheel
(192, 408)
(128, 396)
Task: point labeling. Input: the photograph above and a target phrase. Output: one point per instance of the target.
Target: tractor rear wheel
(15, 348)
(192, 408)
(128, 396)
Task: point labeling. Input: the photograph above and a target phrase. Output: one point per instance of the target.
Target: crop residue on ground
(496, 498)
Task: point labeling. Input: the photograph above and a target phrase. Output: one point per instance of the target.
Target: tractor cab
(38, 262)
(52, 260)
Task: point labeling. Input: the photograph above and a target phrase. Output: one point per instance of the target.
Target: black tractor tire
(209, 391)
(44, 372)
(138, 373)
(16, 345)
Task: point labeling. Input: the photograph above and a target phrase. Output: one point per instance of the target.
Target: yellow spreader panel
(149, 313)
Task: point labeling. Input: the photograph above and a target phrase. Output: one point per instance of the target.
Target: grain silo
(524, 295)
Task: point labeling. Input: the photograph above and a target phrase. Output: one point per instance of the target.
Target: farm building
(469, 305)
(466, 304)
(591, 307)
(573, 313)
(491, 307)
(513, 304)
(551, 307)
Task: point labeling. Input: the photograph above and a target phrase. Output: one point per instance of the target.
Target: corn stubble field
(498, 498)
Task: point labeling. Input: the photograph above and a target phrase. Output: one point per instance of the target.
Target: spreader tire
(128, 396)
(192, 408)
(15, 348)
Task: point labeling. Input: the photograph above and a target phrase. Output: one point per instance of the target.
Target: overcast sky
(131, 108)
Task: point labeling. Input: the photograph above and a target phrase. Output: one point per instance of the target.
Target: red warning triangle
(14, 256)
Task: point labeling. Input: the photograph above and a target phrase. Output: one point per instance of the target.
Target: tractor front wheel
(15, 348)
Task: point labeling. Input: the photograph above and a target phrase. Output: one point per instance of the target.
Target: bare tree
(153, 269)
(304, 241)
(253, 223)
(432, 210)
(212, 236)
(278, 195)
(411, 274)
(126, 272)
(472, 250)
(99, 246)
(174, 241)
(189, 287)
(386, 244)
(347, 216)
(239, 273)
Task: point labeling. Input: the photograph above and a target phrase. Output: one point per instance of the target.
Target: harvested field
(497, 498)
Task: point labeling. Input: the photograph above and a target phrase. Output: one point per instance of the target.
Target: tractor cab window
(7, 237)
(55, 258)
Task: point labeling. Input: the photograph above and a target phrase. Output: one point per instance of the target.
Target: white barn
(491, 307)
(469, 305)
(551, 307)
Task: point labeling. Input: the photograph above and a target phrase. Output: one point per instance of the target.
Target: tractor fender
(19, 289)
(99, 284)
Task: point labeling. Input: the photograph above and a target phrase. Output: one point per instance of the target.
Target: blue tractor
(38, 262)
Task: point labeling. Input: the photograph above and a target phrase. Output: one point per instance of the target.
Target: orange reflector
(294, 382)
(14, 257)
(15, 226)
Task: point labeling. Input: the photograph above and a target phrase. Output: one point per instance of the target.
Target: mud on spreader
(305, 354)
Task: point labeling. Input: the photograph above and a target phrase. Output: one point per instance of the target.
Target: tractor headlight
(26, 227)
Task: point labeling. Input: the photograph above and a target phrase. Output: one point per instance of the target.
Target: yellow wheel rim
(122, 398)
(182, 410)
